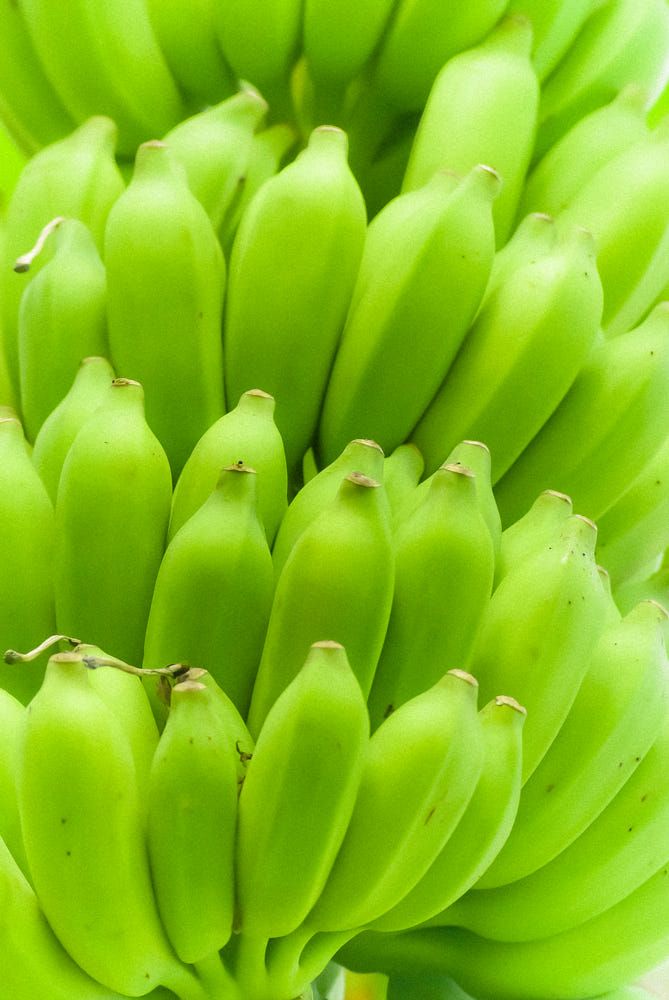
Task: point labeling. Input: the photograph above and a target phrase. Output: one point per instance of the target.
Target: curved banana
(91, 384)
(27, 544)
(533, 531)
(96, 71)
(538, 324)
(314, 211)
(555, 26)
(246, 434)
(613, 721)
(107, 553)
(616, 409)
(482, 108)
(483, 828)
(337, 581)
(213, 593)
(299, 793)
(425, 265)
(62, 319)
(444, 564)
(419, 774)
(165, 281)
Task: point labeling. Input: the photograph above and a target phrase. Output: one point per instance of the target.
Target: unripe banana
(108, 553)
(402, 470)
(299, 793)
(555, 26)
(246, 434)
(616, 409)
(483, 828)
(62, 319)
(12, 725)
(166, 278)
(420, 772)
(444, 564)
(314, 211)
(532, 532)
(541, 321)
(213, 593)
(27, 545)
(534, 236)
(337, 581)
(91, 383)
(426, 262)
(482, 108)
(476, 456)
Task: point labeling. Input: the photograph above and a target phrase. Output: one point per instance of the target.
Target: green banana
(246, 434)
(88, 390)
(534, 236)
(402, 470)
(314, 211)
(476, 456)
(107, 553)
(483, 828)
(420, 772)
(541, 321)
(213, 593)
(299, 793)
(438, 239)
(165, 280)
(62, 319)
(12, 725)
(444, 563)
(533, 531)
(482, 108)
(555, 26)
(616, 409)
(337, 581)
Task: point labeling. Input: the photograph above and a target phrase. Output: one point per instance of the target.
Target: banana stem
(250, 969)
(216, 979)
(296, 960)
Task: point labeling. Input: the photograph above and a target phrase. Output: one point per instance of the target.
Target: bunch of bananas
(349, 685)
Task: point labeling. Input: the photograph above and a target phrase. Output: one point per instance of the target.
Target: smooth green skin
(420, 41)
(98, 72)
(192, 815)
(336, 583)
(12, 724)
(402, 470)
(555, 25)
(299, 794)
(27, 613)
(533, 531)
(66, 810)
(612, 858)
(165, 281)
(476, 456)
(444, 564)
(431, 285)
(483, 828)
(76, 177)
(214, 147)
(434, 987)
(591, 143)
(339, 40)
(520, 357)
(616, 717)
(616, 409)
(246, 434)
(111, 520)
(62, 319)
(285, 339)
(13, 161)
(534, 236)
(360, 455)
(420, 772)
(623, 42)
(482, 109)
(538, 632)
(213, 593)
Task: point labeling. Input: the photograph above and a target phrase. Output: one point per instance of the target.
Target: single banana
(337, 581)
(165, 280)
(27, 544)
(483, 828)
(246, 434)
(475, 455)
(420, 773)
(314, 211)
(482, 108)
(92, 382)
(533, 531)
(541, 321)
(98, 72)
(555, 26)
(108, 553)
(213, 593)
(443, 240)
(12, 726)
(62, 319)
(616, 409)
(444, 563)
(613, 721)
(299, 793)
(534, 236)
(402, 470)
